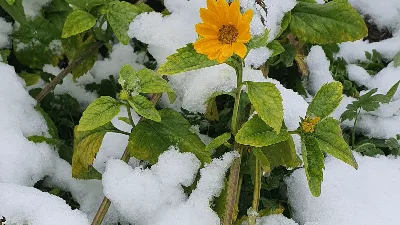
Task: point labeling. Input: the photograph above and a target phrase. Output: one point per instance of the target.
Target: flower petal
(206, 30)
(222, 7)
(244, 37)
(239, 49)
(208, 16)
(206, 45)
(234, 12)
(247, 16)
(211, 5)
(227, 50)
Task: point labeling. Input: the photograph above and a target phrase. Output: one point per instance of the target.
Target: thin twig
(91, 50)
(105, 204)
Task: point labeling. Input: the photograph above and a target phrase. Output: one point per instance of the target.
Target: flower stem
(353, 132)
(105, 204)
(91, 50)
(256, 193)
(232, 198)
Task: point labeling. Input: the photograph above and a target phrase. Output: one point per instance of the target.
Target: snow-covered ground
(154, 196)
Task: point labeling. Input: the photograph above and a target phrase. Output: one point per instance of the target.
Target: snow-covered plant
(185, 105)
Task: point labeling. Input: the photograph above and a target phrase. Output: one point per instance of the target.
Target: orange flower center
(228, 34)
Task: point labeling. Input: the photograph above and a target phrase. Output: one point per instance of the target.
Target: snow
(32, 7)
(5, 31)
(318, 66)
(257, 57)
(384, 13)
(27, 205)
(56, 47)
(276, 11)
(275, 220)
(156, 196)
(366, 196)
(69, 86)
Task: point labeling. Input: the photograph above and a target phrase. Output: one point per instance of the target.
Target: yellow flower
(224, 30)
(308, 124)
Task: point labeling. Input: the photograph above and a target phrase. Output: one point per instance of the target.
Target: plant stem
(353, 131)
(232, 196)
(256, 193)
(130, 115)
(91, 50)
(105, 204)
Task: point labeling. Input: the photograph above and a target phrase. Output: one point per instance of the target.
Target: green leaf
(142, 81)
(144, 107)
(75, 47)
(369, 149)
(50, 124)
(326, 100)
(218, 141)
(392, 91)
(258, 41)
(86, 146)
(396, 60)
(29, 78)
(77, 22)
(285, 22)
(31, 43)
(4, 53)
(185, 59)
(264, 162)
(40, 139)
(267, 101)
(276, 47)
(98, 113)
(16, 10)
(288, 55)
(125, 119)
(149, 139)
(332, 22)
(10, 2)
(86, 4)
(330, 140)
(282, 154)
(258, 134)
(313, 159)
(119, 16)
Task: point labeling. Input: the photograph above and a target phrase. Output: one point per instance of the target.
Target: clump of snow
(24, 162)
(27, 205)
(318, 66)
(276, 11)
(277, 219)
(120, 55)
(69, 86)
(56, 47)
(365, 196)
(32, 7)
(5, 31)
(384, 13)
(156, 196)
(257, 57)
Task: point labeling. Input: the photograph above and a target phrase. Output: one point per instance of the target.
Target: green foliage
(396, 60)
(258, 41)
(120, 15)
(87, 4)
(29, 78)
(374, 63)
(218, 141)
(326, 100)
(16, 10)
(144, 81)
(144, 107)
(4, 55)
(77, 22)
(185, 59)
(288, 55)
(86, 146)
(313, 159)
(98, 113)
(368, 102)
(282, 154)
(258, 134)
(276, 47)
(330, 140)
(332, 22)
(149, 139)
(267, 101)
